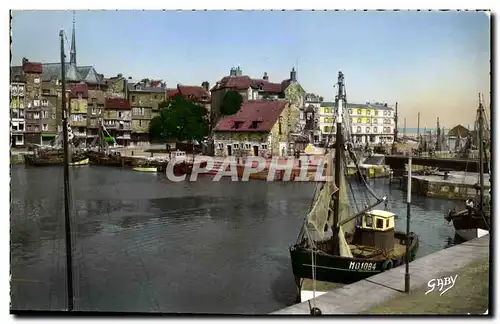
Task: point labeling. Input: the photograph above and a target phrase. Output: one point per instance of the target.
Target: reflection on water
(143, 243)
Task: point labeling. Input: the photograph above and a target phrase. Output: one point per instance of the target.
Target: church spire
(72, 53)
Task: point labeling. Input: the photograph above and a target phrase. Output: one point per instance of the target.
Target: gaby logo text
(442, 285)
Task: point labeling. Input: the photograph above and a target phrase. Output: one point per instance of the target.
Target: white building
(312, 104)
(371, 123)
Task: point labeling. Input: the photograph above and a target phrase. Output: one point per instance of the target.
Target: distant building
(199, 94)
(257, 89)
(371, 123)
(260, 128)
(144, 97)
(309, 118)
(117, 119)
(17, 112)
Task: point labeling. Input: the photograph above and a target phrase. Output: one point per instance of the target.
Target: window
(326, 129)
(359, 120)
(386, 223)
(138, 111)
(94, 111)
(36, 103)
(359, 111)
(46, 92)
(380, 223)
(358, 129)
(368, 221)
(264, 146)
(36, 115)
(236, 146)
(368, 113)
(375, 129)
(388, 113)
(37, 128)
(350, 111)
(94, 101)
(36, 80)
(376, 112)
(21, 113)
(220, 146)
(21, 126)
(45, 127)
(133, 98)
(121, 114)
(367, 129)
(279, 125)
(385, 113)
(248, 146)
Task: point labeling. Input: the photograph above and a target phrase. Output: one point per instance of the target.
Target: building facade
(144, 98)
(117, 119)
(370, 123)
(17, 114)
(257, 89)
(309, 118)
(261, 128)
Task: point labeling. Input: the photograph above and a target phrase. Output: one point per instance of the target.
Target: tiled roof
(32, 67)
(82, 88)
(195, 92)
(264, 112)
(172, 93)
(117, 103)
(244, 82)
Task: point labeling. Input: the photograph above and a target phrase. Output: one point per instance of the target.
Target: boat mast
(480, 111)
(339, 142)
(69, 264)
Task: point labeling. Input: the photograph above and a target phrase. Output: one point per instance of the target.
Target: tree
(231, 103)
(181, 120)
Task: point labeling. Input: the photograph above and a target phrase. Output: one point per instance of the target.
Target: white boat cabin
(376, 229)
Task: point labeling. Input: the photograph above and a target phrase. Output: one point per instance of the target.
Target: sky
(434, 63)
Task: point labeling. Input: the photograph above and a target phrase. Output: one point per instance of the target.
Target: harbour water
(145, 244)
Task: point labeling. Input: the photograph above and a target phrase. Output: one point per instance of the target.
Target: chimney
(232, 72)
(205, 85)
(293, 75)
(25, 60)
(265, 77)
(239, 72)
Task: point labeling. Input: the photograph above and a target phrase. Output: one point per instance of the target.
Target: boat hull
(81, 162)
(49, 160)
(332, 268)
(146, 169)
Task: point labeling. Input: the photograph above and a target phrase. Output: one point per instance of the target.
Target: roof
(16, 74)
(265, 112)
(195, 92)
(117, 103)
(52, 71)
(32, 67)
(360, 106)
(140, 88)
(459, 130)
(82, 88)
(172, 93)
(381, 213)
(243, 82)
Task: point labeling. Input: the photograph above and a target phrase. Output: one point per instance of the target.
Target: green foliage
(180, 120)
(231, 103)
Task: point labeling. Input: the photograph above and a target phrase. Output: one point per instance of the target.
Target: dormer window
(237, 124)
(261, 87)
(255, 124)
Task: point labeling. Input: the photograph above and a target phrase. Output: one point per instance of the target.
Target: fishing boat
(146, 169)
(81, 162)
(52, 155)
(474, 219)
(341, 241)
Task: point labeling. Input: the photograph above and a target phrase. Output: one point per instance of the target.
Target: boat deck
(366, 251)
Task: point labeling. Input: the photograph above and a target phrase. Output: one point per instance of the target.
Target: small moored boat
(81, 162)
(146, 169)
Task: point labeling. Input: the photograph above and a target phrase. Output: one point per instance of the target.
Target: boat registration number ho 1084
(362, 266)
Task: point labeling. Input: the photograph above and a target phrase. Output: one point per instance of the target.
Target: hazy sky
(432, 62)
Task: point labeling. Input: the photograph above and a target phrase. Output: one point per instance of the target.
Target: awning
(49, 135)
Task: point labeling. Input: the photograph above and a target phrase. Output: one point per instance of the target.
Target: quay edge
(366, 294)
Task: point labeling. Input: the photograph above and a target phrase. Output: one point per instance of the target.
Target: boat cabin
(376, 229)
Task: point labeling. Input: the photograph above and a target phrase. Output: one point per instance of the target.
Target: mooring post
(408, 203)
